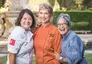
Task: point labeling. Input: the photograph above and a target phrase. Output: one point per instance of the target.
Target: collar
(69, 31)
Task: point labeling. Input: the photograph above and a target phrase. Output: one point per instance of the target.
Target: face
(44, 16)
(26, 21)
(63, 26)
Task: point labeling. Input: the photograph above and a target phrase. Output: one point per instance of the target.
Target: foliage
(87, 4)
(52, 2)
(69, 4)
(79, 25)
(80, 20)
(2, 3)
(60, 2)
(89, 58)
(88, 46)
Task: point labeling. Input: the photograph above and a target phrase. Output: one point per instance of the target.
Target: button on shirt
(46, 43)
(21, 44)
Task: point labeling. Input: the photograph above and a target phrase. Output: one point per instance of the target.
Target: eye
(24, 18)
(46, 13)
(30, 18)
(59, 24)
(40, 12)
(63, 24)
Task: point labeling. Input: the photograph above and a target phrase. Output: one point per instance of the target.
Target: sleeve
(31, 56)
(15, 42)
(75, 49)
(57, 42)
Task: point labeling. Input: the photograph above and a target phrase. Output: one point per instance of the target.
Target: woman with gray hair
(46, 37)
(72, 45)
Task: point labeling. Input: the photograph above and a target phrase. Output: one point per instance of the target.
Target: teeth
(61, 29)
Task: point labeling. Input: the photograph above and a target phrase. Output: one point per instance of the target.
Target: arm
(57, 42)
(74, 51)
(60, 58)
(12, 58)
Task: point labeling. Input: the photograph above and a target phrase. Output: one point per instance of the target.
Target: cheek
(31, 22)
(67, 28)
(39, 15)
(48, 16)
(21, 23)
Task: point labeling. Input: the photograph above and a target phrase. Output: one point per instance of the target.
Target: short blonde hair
(46, 6)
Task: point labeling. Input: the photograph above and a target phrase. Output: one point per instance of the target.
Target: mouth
(43, 19)
(62, 29)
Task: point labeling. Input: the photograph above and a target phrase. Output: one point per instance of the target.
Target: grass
(33, 62)
(3, 60)
(88, 58)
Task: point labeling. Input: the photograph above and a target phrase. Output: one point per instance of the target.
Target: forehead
(43, 10)
(62, 20)
(26, 14)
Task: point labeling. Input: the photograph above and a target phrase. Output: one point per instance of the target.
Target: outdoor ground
(88, 57)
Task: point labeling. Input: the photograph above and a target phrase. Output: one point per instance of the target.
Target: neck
(46, 24)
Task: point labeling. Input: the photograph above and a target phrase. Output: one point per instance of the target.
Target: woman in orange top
(46, 37)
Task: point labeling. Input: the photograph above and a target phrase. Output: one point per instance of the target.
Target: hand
(57, 56)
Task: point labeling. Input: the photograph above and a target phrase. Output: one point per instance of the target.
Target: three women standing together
(49, 46)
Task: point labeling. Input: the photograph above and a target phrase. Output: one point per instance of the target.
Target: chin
(26, 28)
(62, 33)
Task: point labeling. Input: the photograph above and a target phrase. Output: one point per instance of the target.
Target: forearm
(12, 58)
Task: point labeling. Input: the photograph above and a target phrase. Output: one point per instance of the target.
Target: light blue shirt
(73, 48)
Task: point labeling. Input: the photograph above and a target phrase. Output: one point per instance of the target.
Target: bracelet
(60, 58)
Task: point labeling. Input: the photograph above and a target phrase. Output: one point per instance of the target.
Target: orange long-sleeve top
(47, 41)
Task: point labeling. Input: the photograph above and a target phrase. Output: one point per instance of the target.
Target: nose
(42, 15)
(27, 20)
(61, 26)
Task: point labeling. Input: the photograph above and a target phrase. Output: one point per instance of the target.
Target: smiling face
(26, 21)
(44, 16)
(63, 26)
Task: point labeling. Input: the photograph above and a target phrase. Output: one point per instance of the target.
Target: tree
(87, 4)
(69, 4)
(52, 2)
(79, 4)
(60, 3)
(2, 3)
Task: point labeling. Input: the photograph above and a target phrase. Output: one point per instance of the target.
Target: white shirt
(21, 44)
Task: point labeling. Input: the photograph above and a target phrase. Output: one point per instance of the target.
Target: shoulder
(54, 28)
(17, 32)
(75, 37)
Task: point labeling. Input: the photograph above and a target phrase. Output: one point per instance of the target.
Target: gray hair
(46, 6)
(65, 16)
